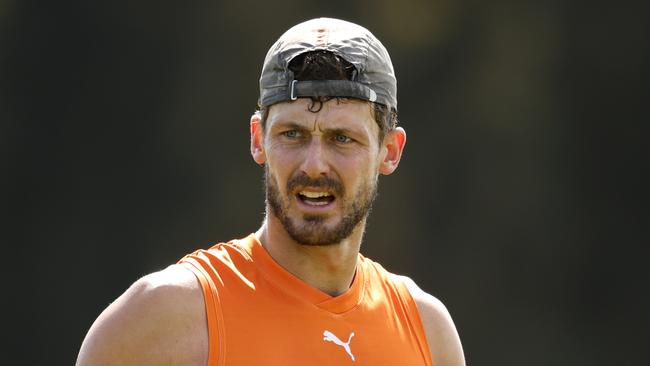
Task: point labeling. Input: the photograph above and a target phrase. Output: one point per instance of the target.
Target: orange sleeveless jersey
(260, 314)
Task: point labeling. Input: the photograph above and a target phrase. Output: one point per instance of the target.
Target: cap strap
(331, 88)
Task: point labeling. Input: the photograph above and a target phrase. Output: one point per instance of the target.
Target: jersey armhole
(214, 316)
(414, 318)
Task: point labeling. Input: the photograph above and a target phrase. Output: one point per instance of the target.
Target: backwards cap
(374, 79)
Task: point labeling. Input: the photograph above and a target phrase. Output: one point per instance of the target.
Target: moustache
(327, 183)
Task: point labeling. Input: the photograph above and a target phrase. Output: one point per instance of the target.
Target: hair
(325, 65)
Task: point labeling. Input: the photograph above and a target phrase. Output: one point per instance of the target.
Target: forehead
(349, 114)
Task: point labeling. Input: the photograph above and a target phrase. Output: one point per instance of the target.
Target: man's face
(321, 168)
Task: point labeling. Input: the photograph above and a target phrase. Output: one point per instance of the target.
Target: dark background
(520, 201)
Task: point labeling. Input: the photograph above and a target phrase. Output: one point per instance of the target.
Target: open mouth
(315, 198)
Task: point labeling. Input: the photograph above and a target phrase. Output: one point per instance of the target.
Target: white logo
(330, 337)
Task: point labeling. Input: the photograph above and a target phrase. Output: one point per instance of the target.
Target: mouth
(315, 198)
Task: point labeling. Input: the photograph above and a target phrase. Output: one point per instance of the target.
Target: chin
(314, 231)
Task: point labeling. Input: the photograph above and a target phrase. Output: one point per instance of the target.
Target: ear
(393, 146)
(257, 139)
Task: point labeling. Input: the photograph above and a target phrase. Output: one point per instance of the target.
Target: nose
(315, 162)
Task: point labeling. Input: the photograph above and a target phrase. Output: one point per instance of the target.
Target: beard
(312, 229)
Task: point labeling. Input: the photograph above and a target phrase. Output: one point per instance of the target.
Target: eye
(342, 139)
(292, 134)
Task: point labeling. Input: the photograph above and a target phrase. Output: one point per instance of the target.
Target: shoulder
(443, 339)
(159, 319)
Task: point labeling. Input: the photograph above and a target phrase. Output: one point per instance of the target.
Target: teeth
(314, 194)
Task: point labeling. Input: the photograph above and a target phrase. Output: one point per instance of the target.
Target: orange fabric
(260, 314)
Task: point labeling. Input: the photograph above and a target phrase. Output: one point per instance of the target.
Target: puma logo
(330, 337)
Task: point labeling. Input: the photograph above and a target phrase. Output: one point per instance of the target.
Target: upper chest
(262, 324)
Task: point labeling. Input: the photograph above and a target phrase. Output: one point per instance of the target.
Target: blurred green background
(521, 200)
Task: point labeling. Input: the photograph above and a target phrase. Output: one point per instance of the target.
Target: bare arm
(444, 342)
(160, 319)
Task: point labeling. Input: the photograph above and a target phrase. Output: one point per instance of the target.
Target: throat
(335, 291)
(330, 269)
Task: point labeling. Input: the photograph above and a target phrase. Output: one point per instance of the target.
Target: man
(297, 291)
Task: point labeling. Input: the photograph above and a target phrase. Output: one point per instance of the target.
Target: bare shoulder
(160, 319)
(442, 336)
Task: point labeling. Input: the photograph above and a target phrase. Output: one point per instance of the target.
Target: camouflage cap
(374, 79)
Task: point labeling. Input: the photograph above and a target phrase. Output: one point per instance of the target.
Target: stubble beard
(311, 230)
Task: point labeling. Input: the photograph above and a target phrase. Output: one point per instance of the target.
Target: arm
(160, 319)
(443, 339)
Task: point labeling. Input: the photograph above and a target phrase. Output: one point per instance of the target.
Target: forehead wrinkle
(343, 121)
(326, 120)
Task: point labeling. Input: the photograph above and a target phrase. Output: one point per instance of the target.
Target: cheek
(279, 170)
(281, 157)
(358, 170)
(277, 161)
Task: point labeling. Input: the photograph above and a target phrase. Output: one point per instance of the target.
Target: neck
(329, 268)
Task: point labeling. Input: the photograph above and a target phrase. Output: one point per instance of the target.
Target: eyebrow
(300, 127)
(290, 125)
(341, 131)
